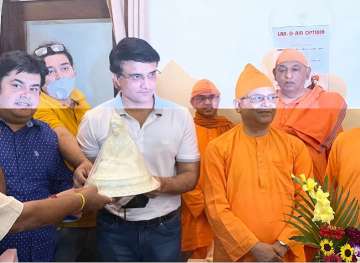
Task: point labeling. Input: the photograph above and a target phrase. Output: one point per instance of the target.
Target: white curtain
(135, 15)
(116, 10)
(136, 18)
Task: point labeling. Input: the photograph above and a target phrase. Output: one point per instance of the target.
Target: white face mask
(61, 88)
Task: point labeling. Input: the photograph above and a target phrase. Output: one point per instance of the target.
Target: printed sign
(313, 41)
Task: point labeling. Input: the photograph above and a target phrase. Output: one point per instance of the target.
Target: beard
(207, 112)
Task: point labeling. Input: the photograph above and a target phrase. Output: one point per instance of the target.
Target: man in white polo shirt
(165, 135)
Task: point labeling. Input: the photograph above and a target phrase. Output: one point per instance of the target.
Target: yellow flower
(346, 253)
(323, 211)
(309, 185)
(321, 196)
(327, 247)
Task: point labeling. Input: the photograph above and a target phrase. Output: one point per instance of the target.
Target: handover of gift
(119, 169)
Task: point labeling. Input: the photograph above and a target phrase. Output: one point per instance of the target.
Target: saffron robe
(316, 119)
(343, 164)
(249, 191)
(196, 232)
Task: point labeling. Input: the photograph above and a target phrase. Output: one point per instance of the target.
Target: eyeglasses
(42, 51)
(203, 98)
(135, 77)
(257, 98)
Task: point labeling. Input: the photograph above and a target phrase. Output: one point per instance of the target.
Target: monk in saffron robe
(343, 165)
(312, 114)
(197, 236)
(248, 187)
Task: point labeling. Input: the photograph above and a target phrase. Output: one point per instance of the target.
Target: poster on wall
(313, 41)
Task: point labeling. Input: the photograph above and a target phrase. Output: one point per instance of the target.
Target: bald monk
(248, 187)
(197, 237)
(312, 114)
(343, 165)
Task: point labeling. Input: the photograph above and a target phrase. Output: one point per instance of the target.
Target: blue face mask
(61, 88)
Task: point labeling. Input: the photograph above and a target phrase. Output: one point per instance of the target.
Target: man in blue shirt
(29, 152)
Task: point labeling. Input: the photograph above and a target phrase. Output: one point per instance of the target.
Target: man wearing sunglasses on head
(62, 106)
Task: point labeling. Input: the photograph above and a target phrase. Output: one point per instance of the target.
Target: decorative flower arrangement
(327, 220)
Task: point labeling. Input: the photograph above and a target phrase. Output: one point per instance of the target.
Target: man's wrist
(283, 243)
(82, 200)
(163, 182)
(82, 161)
(283, 246)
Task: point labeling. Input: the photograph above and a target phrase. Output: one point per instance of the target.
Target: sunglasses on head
(42, 51)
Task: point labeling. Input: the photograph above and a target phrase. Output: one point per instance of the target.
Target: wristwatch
(282, 243)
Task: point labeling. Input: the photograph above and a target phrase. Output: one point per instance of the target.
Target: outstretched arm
(51, 211)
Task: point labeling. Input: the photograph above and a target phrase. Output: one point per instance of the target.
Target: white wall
(215, 39)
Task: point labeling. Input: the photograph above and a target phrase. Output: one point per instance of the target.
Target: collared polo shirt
(167, 136)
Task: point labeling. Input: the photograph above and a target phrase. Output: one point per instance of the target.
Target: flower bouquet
(327, 220)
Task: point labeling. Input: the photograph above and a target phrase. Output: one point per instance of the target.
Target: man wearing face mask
(62, 106)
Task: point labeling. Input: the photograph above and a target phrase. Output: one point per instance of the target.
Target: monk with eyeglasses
(197, 236)
(247, 179)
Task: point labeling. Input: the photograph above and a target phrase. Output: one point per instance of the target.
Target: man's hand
(81, 173)
(2, 182)
(265, 253)
(280, 249)
(93, 200)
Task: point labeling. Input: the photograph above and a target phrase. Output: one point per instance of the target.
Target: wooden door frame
(16, 12)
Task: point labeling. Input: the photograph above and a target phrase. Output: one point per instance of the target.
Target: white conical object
(119, 169)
